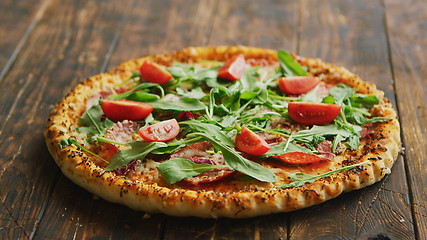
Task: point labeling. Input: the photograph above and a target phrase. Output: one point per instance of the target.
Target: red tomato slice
(154, 73)
(119, 110)
(251, 143)
(299, 158)
(233, 69)
(313, 113)
(160, 132)
(298, 84)
(210, 176)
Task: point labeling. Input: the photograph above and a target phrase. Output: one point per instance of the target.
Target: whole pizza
(223, 132)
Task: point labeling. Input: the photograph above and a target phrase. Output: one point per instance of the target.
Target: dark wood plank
(408, 33)
(269, 24)
(353, 34)
(153, 28)
(17, 19)
(67, 45)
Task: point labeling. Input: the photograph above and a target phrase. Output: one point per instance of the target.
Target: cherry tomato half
(160, 132)
(251, 143)
(313, 113)
(119, 110)
(154, 73)
(299, 158)
(298, 84)
(233, 68)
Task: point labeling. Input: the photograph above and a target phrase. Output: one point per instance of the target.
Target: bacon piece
(210, 176)
(122, 131)
(198, 150)
(200, 160)
(92, 100)
(127, 168)
(367, 129)
(323, 90)
(325, 150)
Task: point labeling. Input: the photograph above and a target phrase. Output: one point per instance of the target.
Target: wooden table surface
(48, 46)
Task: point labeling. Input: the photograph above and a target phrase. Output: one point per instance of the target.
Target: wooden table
(48, 46)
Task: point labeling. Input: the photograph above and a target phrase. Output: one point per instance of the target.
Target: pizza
(231, 132)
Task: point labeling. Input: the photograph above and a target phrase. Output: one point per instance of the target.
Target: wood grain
(48, 46)
(154, 28)
(14, 33)
(408, 33)
(382, 209)
(62, 50)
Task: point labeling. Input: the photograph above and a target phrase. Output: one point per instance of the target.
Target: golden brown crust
(381, 149)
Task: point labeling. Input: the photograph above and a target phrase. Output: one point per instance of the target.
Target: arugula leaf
(300, 179)
(139, 151)
(289, 66)
(196, 92)
(142, 97)
(366, 100)
(174, 170)
(280, 149)
(236, 162)
(341, 92)
(185, 104)
(92, 122)
(142, 86)
(208, 129)
(65, 142)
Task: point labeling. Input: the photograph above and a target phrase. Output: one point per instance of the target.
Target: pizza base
(381, 151)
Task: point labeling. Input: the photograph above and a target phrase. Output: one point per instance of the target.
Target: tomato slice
(313, 113)
(160, 132)
(233, 68)
(251, 143)
(119, 110)
(298, 84)
(210, 176)
(299, 158)
(154, 73)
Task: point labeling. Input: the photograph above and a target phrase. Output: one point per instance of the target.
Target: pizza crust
(381, 151)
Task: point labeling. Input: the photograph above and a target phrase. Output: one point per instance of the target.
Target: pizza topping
(233, 68)
(210, 176)
(325, 150)
(152, 72)
(119, 110)
(313, 113)
(299, 158)
(125, 169)
(184, 115)
(251, 143)
(176, 169)
(298, 84)
(256, 101)
(367, 129)
(160, 132)
(122, 131)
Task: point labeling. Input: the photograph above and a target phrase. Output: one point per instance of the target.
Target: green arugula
(174, 170)
(144, 87)
(300, 179)
(65, 142)
(93, 124)
(185, 104)
(289, 66)
(208, 129)
(139, 151)
(236, 162)
(284, 147)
